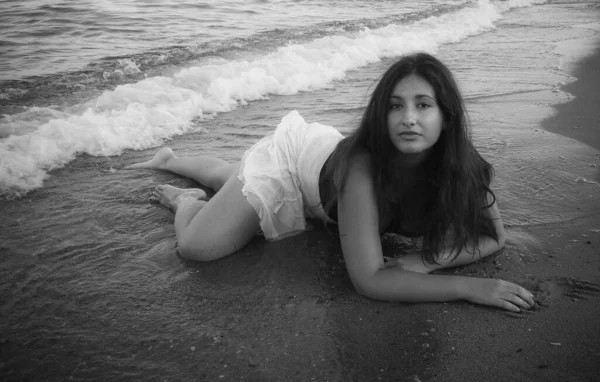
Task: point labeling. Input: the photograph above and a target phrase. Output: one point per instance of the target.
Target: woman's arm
(486, 245)
(361, 244)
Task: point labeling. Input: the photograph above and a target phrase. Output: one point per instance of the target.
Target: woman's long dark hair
(458, 177)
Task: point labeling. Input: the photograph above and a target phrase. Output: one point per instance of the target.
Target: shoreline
(579, 118)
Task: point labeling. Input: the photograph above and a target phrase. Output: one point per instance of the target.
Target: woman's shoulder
(360, 170)
(361, 160)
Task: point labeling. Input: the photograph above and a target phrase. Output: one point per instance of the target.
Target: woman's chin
(412, 155)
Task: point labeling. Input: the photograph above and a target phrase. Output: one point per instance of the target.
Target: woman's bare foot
(158, 162)
(171, 197)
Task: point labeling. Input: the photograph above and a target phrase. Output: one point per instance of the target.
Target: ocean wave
(144, 114)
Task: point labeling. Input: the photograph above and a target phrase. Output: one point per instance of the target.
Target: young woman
(409, 168)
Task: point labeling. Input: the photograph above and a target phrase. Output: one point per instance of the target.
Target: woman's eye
(395, 106)
(424, 105)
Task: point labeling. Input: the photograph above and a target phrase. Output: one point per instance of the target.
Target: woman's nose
(409, 117)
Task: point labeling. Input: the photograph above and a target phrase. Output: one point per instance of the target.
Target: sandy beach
(92, 287)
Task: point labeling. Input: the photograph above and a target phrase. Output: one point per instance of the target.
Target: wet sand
(579, 119)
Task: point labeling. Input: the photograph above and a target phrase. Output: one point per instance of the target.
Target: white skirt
(281, 175)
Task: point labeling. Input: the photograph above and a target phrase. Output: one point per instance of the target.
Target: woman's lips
(409, 134)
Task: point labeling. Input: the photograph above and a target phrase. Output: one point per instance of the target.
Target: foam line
(145, 114)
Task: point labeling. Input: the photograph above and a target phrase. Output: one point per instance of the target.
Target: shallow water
(133, 104)
(44, 38)
(91, 284)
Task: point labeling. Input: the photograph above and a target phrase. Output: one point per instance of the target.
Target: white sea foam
(145, 114)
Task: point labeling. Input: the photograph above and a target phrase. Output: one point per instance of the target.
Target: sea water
(99, 78)
(88, 87)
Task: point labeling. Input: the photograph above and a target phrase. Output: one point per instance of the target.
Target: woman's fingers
(524, 296)
(504, 294)
(518, 298)
(517, 301)
(528, 296)
(509, 306)
(500, 293)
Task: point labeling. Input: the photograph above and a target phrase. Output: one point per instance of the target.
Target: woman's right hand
(500, 293)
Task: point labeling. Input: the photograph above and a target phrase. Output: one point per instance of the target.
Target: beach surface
(92, 287)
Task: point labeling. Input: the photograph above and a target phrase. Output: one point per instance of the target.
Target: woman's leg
(208, 171)
(214, 229)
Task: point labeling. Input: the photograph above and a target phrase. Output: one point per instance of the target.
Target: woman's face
(415, 120)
